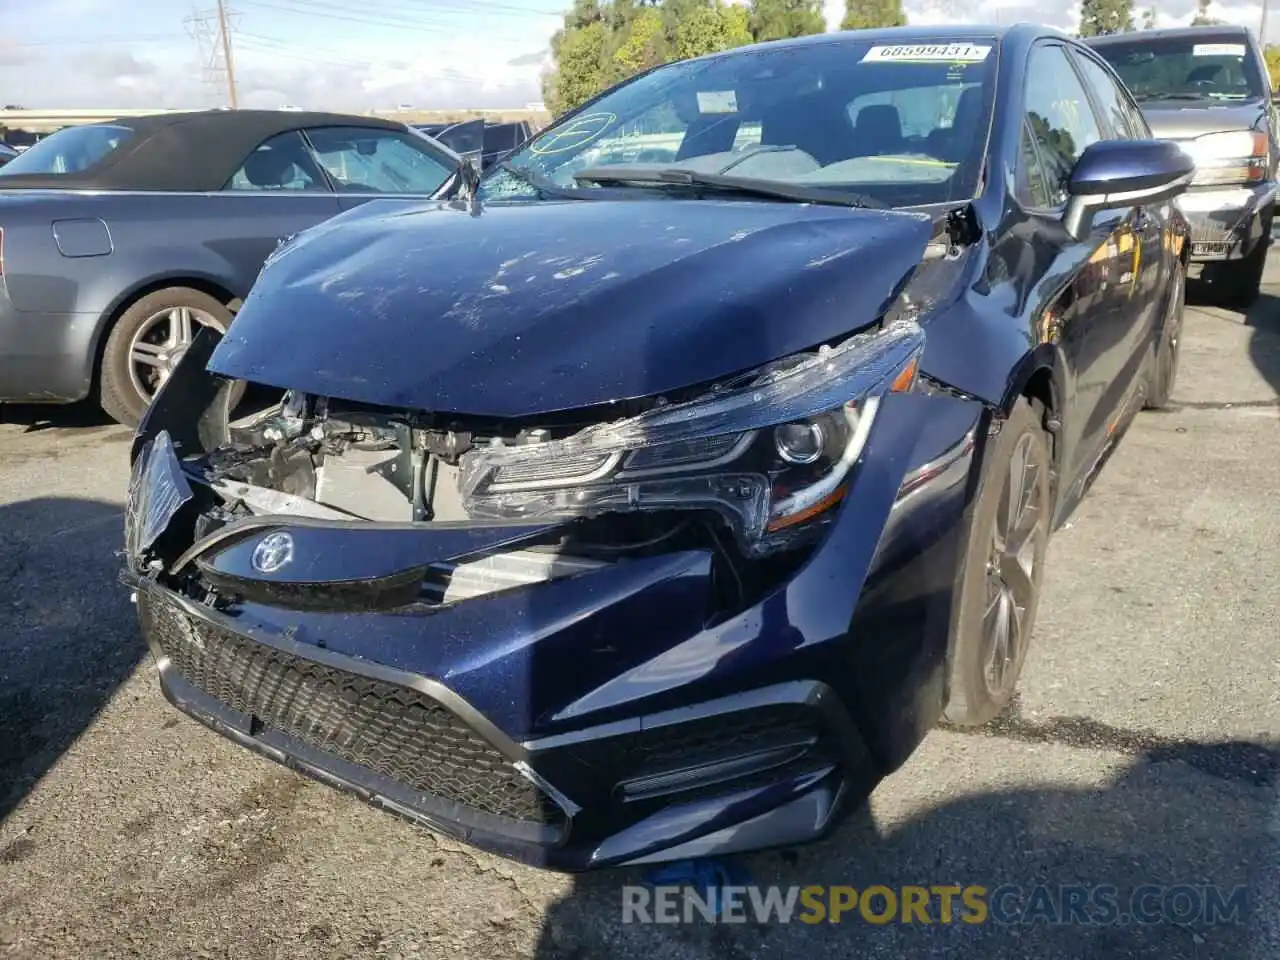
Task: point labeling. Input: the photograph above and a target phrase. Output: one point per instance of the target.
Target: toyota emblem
(272, 552)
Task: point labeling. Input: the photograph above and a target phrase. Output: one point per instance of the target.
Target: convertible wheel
(999, 580)
(1165, 371)
(148, 341)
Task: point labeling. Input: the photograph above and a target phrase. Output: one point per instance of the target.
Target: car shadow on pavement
(50, 416)
(1263, 316)
(1176, 814)
(68, 638)
(1264, 346)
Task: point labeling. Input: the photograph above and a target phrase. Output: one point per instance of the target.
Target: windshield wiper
(723, 183)
(1145, 97)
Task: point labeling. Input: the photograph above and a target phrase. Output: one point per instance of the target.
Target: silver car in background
(1207, 88)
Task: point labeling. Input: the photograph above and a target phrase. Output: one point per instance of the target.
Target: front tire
(998, 584)
(146, 343)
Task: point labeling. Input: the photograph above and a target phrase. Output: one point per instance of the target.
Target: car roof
(941, 33)
(1171, 33)
(195, 151)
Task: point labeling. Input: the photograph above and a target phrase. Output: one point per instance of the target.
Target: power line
(399, 21)
(122, 38)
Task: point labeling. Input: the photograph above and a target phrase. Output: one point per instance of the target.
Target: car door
(1146, 277)
(1060, 123)
(367, 163)
(277, 192)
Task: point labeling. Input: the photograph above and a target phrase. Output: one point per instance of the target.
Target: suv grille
(392, 730)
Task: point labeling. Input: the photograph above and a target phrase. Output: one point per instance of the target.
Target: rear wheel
(1165, 370)
(148, 341)
(1000, 573)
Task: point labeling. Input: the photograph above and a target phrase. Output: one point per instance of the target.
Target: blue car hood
(526, 309)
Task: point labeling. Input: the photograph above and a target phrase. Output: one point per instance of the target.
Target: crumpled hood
(1185, 119)
(526, 309)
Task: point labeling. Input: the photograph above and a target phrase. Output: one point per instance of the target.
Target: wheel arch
(1040, 378)
(110, 317)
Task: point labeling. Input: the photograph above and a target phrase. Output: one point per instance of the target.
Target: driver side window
(1060, 117)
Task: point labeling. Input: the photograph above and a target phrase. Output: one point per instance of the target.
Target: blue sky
(344, 55)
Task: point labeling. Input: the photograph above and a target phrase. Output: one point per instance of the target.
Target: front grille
(394, 731)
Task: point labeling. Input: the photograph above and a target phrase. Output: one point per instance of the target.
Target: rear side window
(1060, 116)
(280, 163)
(1112, 101)
(70, 150)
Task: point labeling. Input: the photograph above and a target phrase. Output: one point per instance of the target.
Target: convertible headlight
(1239, 156)
(770, 452)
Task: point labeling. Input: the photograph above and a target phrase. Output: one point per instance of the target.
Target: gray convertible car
(119, 240)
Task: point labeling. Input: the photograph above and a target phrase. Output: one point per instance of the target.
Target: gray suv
(1207, 89)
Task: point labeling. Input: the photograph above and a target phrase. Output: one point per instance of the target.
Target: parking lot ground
(1145, 747)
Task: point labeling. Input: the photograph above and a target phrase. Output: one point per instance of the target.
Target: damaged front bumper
(565, 710)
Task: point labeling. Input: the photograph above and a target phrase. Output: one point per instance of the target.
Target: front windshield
(902, 124)
(70, 150)
(1190, 68)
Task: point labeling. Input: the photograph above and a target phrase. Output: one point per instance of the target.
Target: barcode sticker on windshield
(717, 101)
(1218, 50)
(928, 53)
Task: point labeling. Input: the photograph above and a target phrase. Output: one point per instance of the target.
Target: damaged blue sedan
(656, 497)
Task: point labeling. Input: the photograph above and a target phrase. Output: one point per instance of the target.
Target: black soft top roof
(194, 152)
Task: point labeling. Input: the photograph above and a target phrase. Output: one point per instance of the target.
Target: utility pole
(229, 63)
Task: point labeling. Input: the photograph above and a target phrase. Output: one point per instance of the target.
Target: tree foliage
(603, 42)
(1272, 55)
(780, 19)
(1100, 17)
(867, 14)
(1202, 17)
(1149, 19)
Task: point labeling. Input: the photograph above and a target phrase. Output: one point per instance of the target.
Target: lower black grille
(394, 731)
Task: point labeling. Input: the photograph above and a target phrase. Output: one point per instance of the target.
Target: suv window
(282, 162)
(1060, 116)
(369, 160)
(1111, 100)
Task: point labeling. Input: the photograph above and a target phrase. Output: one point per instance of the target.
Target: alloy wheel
(1011, 574)
(160, 342)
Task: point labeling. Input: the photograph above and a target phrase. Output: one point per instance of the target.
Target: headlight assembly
(1239, 156)
(770, 452)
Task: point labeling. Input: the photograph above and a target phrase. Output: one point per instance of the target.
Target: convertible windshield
(1187, 68)
(896, 124)
(70, 150)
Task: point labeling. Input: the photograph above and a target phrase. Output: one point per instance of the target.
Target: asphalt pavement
(1144, 748)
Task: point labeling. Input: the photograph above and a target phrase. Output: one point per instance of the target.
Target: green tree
(1099, 17)
(1202, 18)
(603, 42)
(867, 14)
(582, 58)
(1272, 55)
(779, 19)
(642, 45)
(1149, 19)
(708, 28)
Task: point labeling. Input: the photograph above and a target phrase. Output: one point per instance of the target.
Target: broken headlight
(769, 452)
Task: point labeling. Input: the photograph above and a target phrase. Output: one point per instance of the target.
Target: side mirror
(1113, 174)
